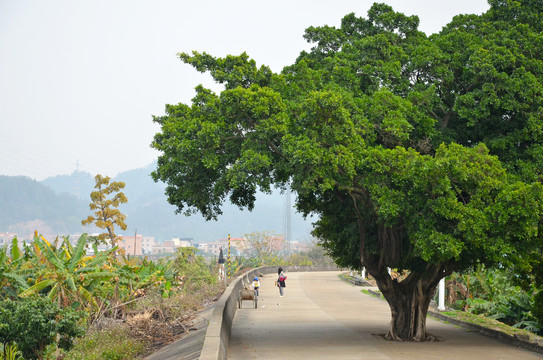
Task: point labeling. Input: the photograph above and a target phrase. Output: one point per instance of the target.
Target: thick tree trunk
(409, 307)
(408, 299)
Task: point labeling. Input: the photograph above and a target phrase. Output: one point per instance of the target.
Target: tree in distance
(106, 215)
(263, 247)
(422, 154)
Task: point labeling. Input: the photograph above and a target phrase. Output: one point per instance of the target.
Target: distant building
(167, 247)
(147, 244)
(213, 247)
(171, 246)
(131, 244)
(182, 242)
(138, 245)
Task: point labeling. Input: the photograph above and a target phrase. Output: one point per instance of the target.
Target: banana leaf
(36, 288)
(15, 252)
(78, 252)
(50, 254)
(17, 279)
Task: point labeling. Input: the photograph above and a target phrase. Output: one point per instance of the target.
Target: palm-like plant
(66, 273)
(13, 270)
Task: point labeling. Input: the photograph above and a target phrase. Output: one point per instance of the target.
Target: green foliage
(138, 276)
(385, 114)
(492, 293)
(193, 269)
(299, 259)
(93, 285)
(10, 352)
(538, 307)
(34, 323)
(7, 322)
(66, 274)
(417, 153)
(74, 279)
(238, 263)
(12, 269)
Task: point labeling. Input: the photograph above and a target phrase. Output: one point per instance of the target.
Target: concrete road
(322, 317)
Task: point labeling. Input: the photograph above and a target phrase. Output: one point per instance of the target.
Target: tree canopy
(421, 153)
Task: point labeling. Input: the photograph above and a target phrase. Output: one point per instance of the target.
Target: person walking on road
(281, 283)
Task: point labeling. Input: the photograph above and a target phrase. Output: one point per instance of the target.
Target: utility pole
(229, 262)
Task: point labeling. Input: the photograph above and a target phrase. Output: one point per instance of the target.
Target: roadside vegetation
(493, 298)
(69, 300)
(65, 301)
(495, 294)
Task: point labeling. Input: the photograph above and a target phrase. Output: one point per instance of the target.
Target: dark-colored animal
(247, 294)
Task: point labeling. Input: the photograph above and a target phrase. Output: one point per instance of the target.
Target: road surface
(323, 317)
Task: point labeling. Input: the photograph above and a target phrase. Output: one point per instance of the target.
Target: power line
(32, 160)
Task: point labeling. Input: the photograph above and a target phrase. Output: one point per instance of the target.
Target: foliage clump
(50, 282)
(495, 294)
(34, 323)
(419, 153)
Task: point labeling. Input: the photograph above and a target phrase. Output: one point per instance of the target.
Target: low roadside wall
(220, 325)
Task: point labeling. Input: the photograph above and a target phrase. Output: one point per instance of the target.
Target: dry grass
(158, 322)
(151, 323)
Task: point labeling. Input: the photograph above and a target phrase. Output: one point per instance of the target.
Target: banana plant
(67, 273)
(12, 270)
(11, 352)
(138, 275)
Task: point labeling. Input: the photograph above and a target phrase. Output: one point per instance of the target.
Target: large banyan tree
(418, 153)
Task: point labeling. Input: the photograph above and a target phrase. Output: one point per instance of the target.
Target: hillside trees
(26, 203)
(417, 153)
(106, 215)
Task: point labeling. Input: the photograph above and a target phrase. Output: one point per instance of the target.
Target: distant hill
(149, 212)
(79, 184)
(26, 205)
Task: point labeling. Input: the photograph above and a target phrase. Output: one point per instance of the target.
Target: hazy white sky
(81, 80)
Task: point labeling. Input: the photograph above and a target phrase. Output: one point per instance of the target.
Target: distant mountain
(79, 184)
(149, 213)
(27, 205)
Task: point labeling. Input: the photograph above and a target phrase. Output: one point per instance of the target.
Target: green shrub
(493, 293)
(193, 268)
(538, 307)
(35, 323)
(7, 322)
